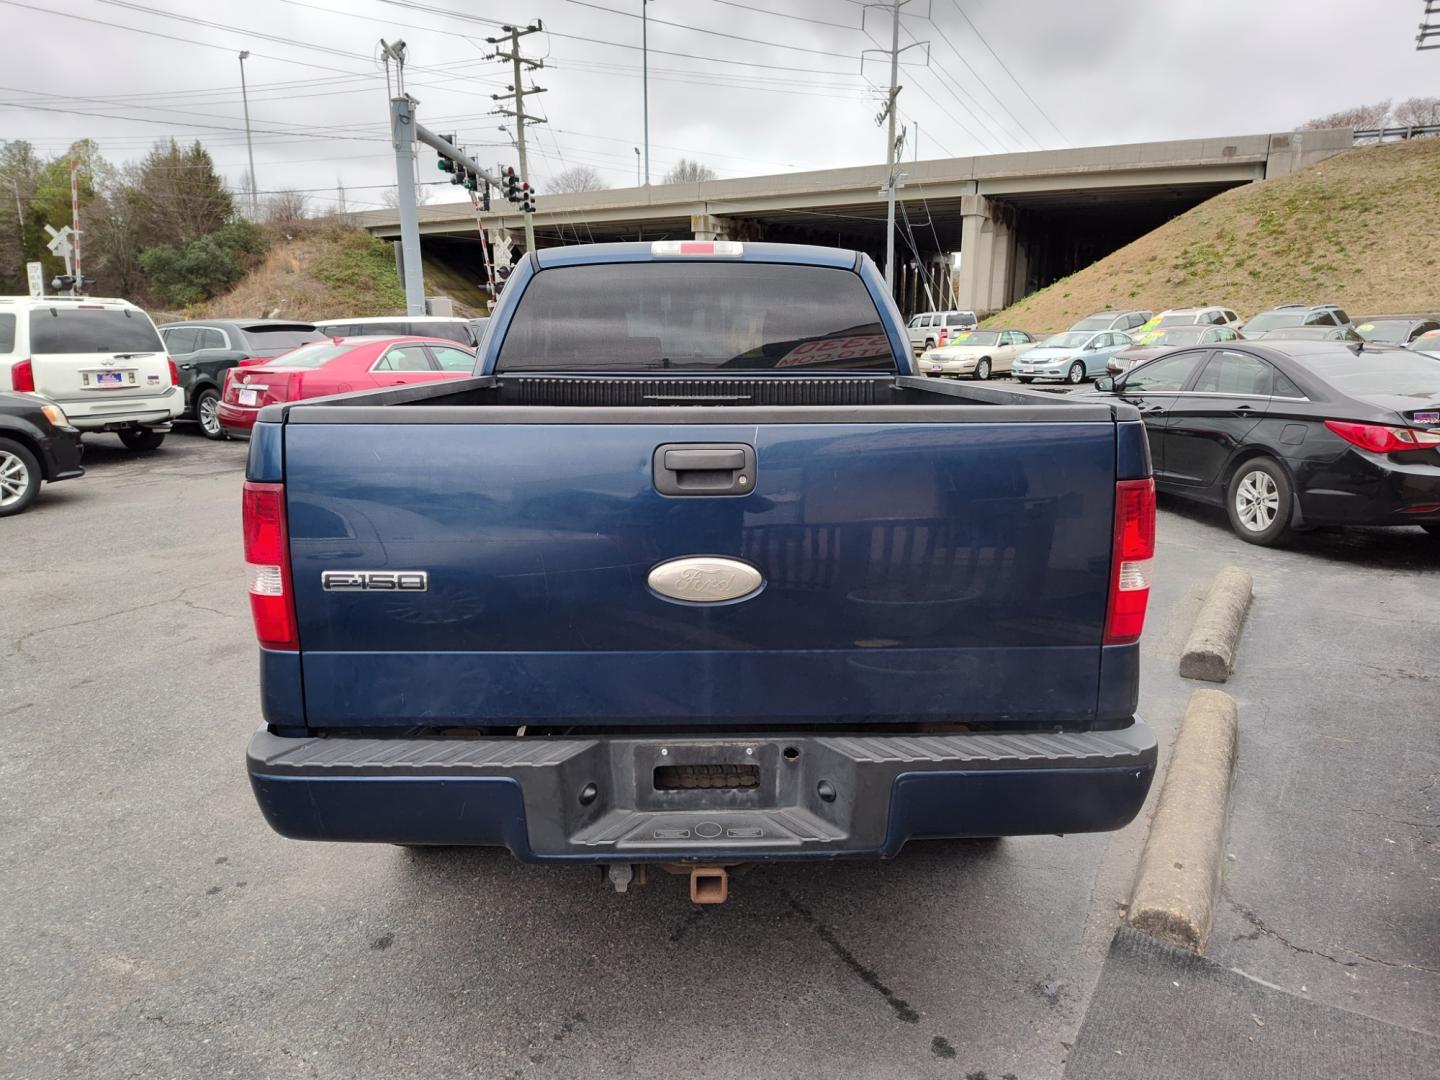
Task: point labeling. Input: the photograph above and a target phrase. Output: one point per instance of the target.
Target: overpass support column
(987, 255)
(709, 227)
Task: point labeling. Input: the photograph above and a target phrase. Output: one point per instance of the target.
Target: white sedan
(976, 354)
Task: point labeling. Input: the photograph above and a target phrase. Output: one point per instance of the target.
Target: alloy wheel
(209, 415)
(1257, 501)
(14, 479)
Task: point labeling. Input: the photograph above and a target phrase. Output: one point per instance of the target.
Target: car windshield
(695, 316)
(1173, 335)
(1094, 322)
(92, 330)
(1386, 329)
(1274, 320)
(312, 356)
(1379, 372)
(1068, 340)
(974, 337)
(1177, 320)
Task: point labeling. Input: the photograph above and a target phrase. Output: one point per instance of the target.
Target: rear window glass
(700, 316)
(278, 338)
(1368, 372)
(7, 333)
(92, 330)
(1094, 322)
(1273, 320)
(313, 356)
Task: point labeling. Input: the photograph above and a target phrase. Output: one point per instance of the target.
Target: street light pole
(637, 167)
(645, 78)
(249, 146)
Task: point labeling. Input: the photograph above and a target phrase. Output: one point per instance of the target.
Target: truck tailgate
(913, 572)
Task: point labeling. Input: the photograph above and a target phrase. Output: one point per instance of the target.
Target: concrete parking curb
(1210, 651)
(1179, 878)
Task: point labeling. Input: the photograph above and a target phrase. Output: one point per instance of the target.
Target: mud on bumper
(637, 799)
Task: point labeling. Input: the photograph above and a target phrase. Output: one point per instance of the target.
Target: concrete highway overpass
(1017, 221)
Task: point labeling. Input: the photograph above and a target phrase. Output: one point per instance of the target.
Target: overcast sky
(747, 86)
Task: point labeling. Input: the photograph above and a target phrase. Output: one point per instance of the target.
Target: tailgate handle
(704, 469)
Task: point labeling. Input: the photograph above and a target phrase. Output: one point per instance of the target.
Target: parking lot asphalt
(156, 927)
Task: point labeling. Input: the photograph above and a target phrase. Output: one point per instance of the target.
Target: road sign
(36, 273)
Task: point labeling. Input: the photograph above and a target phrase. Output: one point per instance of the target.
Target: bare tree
(576, 178)
(391, 196)
(287, 208)
(689, 172)
(1358, 116)
(1417, 112)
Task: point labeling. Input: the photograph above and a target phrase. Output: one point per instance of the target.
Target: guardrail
(1382, 134)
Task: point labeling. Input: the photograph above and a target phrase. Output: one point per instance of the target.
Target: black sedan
(1294, 434)
(36, 443)
(204, 351)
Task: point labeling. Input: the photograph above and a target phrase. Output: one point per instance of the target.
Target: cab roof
(798, 254)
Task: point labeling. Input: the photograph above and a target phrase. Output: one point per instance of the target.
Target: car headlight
(55, 415)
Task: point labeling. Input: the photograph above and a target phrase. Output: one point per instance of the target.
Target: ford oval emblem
(705, 579)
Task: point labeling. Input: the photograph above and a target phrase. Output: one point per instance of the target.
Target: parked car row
(71, 366)
(1115, 341)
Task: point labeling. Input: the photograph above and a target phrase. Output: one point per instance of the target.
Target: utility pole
(249, 146)
(637, 172)
(888, 116)
(518, 92)
(645, 78)
(79, 287)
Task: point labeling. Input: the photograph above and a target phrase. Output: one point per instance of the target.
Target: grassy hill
(1357, 230)
(336, 271)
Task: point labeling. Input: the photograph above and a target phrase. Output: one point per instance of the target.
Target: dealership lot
(163, 930)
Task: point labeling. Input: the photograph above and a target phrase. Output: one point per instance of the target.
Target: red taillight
(22, 377)
(1384, 440)
(174, 371)
(1130, 564)
(267, 562)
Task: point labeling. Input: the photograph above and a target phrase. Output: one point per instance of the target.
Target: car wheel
(1260, 502)
(19, 477)
(1024, 378)
(1076, 375)
(142, 439)
(207, 414)
(982, 369)
(929, 343)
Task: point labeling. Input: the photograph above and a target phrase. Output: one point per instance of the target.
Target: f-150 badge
(375, 581)
(705, 579)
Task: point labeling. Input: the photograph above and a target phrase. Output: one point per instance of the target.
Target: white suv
(101, 361)
(926, 328)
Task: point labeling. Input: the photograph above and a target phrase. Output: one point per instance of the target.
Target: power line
(591, 40)
(978, 79)
(786, 15)
(169, 37)
(956, 5)
(712, 33)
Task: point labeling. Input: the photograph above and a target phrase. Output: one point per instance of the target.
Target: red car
(337, 366)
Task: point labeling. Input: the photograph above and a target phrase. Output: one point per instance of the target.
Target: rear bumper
(235, 420)
(530, 795)
(99, 413)
(1361, 488)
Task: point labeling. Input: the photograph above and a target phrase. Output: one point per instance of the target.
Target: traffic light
(444, 164)
(62, 282)
(527, 199)
(485, 197)
(472, 182)
(510, 184)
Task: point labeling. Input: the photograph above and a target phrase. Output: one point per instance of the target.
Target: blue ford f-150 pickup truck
(695, 570)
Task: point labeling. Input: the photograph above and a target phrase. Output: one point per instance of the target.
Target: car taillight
(267, 562)
(1384, 440)
(174, 371)
(22, 377)
(1130, 566)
